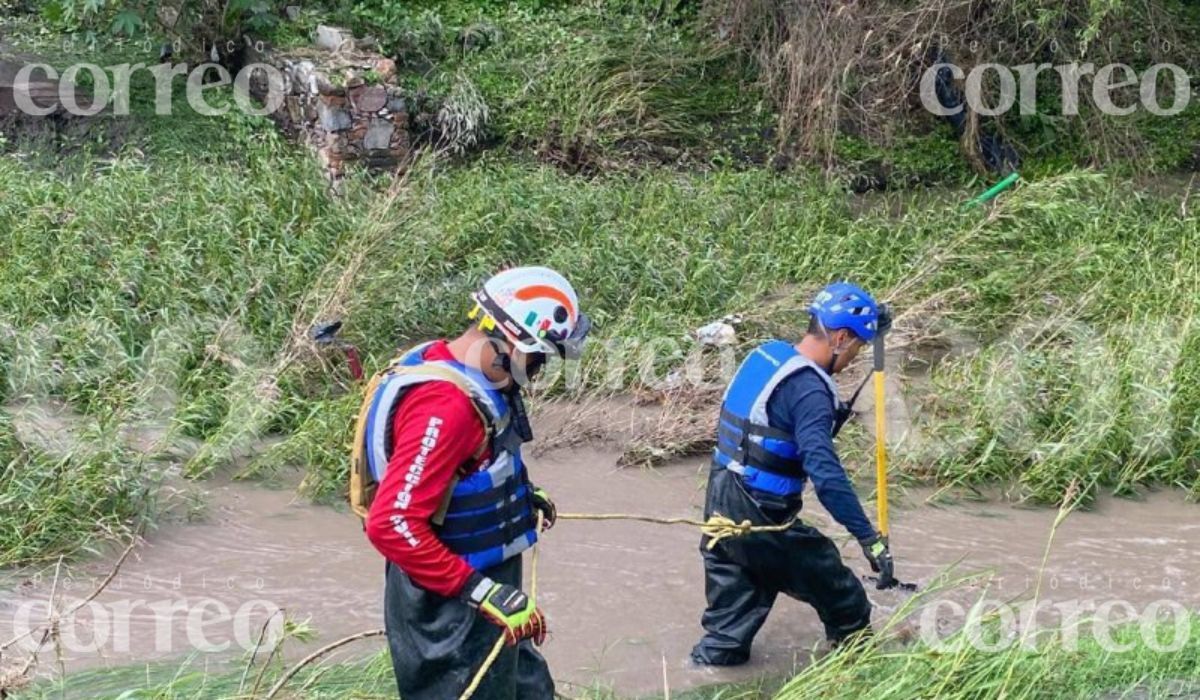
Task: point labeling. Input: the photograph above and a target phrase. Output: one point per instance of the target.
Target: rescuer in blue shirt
(778, 420)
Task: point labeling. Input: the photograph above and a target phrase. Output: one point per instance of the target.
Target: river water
(623, 599)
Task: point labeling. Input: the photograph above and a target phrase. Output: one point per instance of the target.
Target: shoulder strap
(362, 482)
(446, 374)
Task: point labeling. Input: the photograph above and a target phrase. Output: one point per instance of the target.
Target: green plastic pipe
(995, 189)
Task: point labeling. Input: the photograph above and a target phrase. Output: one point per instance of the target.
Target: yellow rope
(487, 664)
(499, 645)
(717, 527)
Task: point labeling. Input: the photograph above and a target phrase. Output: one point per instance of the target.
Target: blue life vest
(489, 516)
(765, 457)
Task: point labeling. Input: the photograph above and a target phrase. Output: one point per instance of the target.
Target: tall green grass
(1068, 308)
(1069, 305)
(368, 679)
(164, 280)
(878, 669)
(168, 279)
(1048, 670)
(62, 503)
(583, 80)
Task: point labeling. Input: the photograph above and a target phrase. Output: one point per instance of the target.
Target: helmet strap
(833, 360)
(502, 360)
(520, 417)
(828, 339)
(512, 392)
(487, 325)
(534, 362)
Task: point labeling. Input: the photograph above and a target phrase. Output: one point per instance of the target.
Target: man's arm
(807, 402)
(435, 431)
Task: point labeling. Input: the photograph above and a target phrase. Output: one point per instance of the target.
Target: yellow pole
(881, 456)
(881, 484)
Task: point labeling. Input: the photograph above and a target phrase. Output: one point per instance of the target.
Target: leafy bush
(574, 79)
(57, 504)
(196, 24)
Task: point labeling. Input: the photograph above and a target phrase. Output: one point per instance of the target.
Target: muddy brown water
(623, 598)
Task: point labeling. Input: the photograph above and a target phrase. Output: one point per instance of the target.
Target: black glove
(541, 501)
(879, 555)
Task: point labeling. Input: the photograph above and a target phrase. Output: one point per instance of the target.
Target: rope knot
(719, 527)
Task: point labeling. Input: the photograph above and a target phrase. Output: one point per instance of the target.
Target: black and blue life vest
(489, 515)
(766, 458)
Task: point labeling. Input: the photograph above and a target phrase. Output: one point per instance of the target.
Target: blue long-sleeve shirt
(800, 405)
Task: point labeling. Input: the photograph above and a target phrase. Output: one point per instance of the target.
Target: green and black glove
(507, 608)
(541, 501)
(879, 555)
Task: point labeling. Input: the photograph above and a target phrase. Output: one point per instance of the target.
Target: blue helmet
(844, 305)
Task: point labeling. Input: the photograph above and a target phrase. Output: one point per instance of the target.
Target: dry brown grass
(685, 425)
(12, 680)
(835, 67)
(563, 423)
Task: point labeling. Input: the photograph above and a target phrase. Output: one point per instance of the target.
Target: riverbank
(254, 550)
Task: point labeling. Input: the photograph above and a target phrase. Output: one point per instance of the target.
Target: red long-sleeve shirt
(435, 433)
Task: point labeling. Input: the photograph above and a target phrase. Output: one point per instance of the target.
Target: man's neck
(816, 350)
(474, 350)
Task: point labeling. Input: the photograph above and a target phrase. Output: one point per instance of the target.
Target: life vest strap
(486, 514)
(734, 440)
(363, 482)
(487, 499)
(462, 525)
(493, 425)
(481, 541)
(756, 455)
(763, 480)
(749, 428)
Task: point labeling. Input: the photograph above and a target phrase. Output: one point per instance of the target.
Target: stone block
(379, 135)
(333, 38)
(386, 68)
(371, 98)
(333, 118)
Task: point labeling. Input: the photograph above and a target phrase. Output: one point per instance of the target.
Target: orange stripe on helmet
(534, 291)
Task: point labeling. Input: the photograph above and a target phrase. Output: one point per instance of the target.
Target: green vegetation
(371, 679)
(1079, 268)
(1049, 670)
(957, 669)
(622, 83)
(833, 74)
(166, 270)
(191, 23)
(108, 493)
(581, 81)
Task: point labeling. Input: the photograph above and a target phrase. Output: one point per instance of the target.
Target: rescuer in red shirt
(445, 496)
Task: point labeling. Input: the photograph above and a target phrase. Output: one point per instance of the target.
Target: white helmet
(535, 309)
